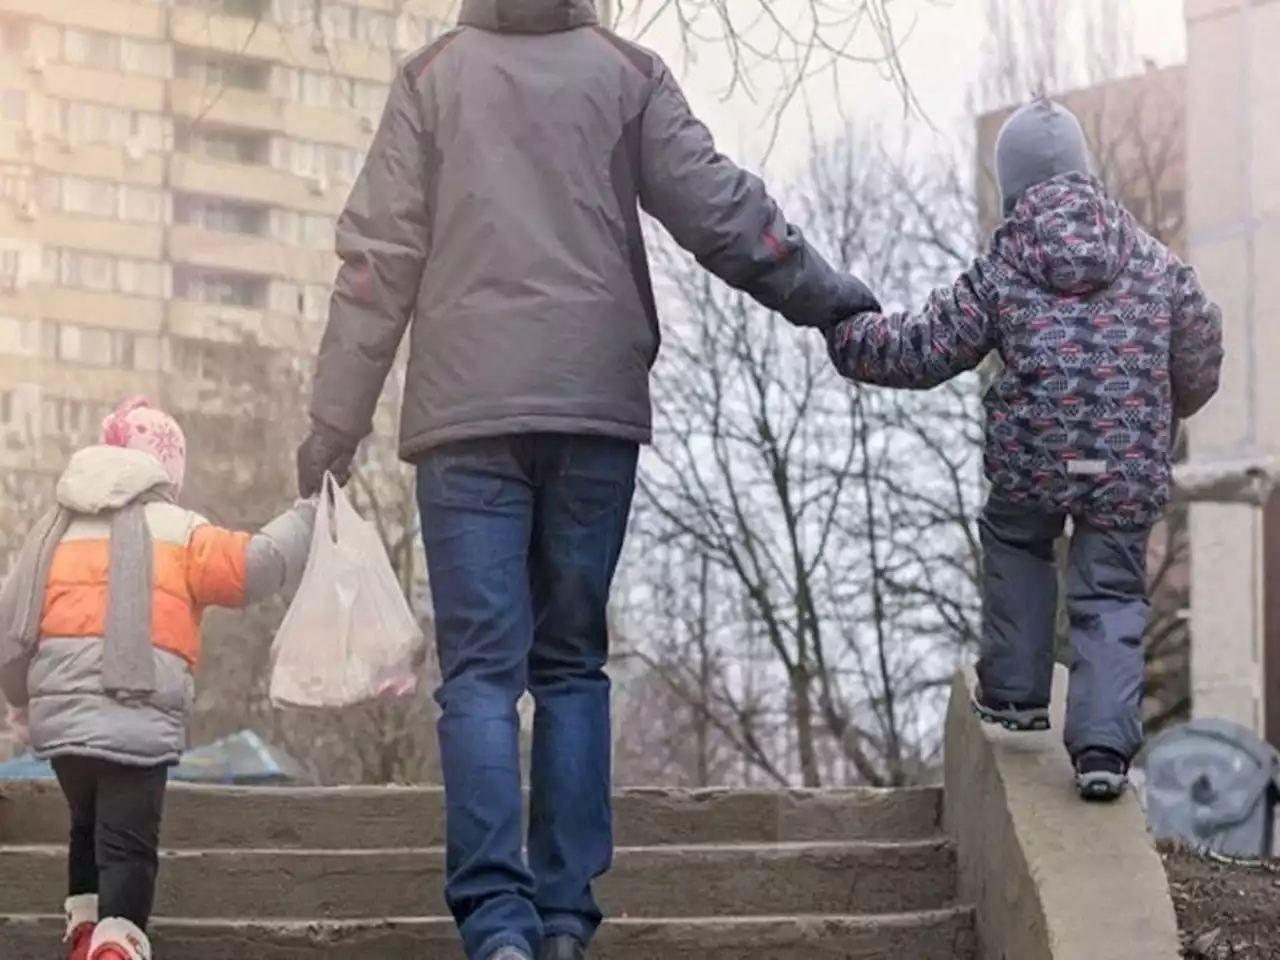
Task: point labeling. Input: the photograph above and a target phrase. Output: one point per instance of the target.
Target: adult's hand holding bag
(349, 636)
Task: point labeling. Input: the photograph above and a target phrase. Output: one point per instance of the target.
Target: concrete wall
(1233, 218)
(1050, 877)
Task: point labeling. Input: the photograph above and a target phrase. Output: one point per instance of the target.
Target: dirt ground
(1227, 910)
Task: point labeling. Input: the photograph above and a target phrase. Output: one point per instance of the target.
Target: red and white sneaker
(117, 939)
(82, 916)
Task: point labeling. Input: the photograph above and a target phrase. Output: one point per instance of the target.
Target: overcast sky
(941, 58)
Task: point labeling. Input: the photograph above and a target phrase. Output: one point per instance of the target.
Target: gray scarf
(128, 660)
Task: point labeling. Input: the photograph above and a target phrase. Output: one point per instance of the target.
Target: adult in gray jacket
(499, 211)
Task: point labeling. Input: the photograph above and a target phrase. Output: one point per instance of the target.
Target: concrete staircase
(284, 874)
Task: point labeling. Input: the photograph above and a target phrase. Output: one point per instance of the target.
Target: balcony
(247, 254)
(229, 106)
(144, 20)
(101, 234)
(57, 155)
(114, 310)
(266, 40)
(253, 182)
(69, 82)
(221, 324)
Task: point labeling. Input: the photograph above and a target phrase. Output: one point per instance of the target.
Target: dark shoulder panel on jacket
(640, 58)
(417, 64)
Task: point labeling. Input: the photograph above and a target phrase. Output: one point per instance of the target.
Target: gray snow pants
(1107, 607)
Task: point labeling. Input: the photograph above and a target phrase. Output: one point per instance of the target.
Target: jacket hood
(1068, 236)
(528, 16)
(103, 479)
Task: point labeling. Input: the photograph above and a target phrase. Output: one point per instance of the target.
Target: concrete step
(665, 881)
(392, 817)
(936, 935)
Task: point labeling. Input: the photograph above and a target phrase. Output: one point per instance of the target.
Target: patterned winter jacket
(1107, 339)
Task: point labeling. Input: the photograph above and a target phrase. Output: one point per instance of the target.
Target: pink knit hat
(137, 425)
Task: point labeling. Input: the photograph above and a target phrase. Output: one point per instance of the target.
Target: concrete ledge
(1050, 877)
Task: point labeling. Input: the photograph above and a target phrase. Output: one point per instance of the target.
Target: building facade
(170, 172)
(1233, 210)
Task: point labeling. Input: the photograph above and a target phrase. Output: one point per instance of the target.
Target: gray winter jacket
(499, 209)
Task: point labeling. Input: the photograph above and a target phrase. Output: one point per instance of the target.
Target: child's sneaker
(82, 916)
(118, 939)
(1020, 717)
(1101, 774)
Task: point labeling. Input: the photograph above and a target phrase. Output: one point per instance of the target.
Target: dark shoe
(563, 948)
(1020, 717)
(1101, 774)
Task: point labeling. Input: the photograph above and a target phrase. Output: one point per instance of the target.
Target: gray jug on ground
(1214, 785)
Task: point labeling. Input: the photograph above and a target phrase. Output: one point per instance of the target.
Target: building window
(141, 204)
(92, 346)
(15, 183)
(339, 21)
(315, 301)
(89, 48)
(224, 289)
(10, 265)
(13, 106)
(346, 163)
(86, 271)
(144, 57)
(294, 14)
(374, 27)
(96, 123)
(140, 278)
(83, 270)
(368, 97)
(303, 229)
(318, 88)
(15, 33)
(102, 198)
(213, 213)
(19, 337)
(75, 421)
(236, 72)
(253, 9)
(97, 198)
(231, 146)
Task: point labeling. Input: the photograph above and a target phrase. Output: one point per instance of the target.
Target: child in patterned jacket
(1107, 340)
(99, 638)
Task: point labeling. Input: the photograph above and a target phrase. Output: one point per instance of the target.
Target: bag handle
(339, 512)
(327, 509)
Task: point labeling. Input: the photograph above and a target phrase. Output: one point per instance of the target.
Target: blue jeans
(522, 535)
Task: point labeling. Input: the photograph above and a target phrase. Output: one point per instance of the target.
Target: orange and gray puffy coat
(194, 565)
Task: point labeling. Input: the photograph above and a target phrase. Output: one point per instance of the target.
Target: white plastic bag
(349, 636)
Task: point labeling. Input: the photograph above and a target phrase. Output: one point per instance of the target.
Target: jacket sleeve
(917, 351)
(726, 218)
(227, 568)
(383, 235)
(15, 661)
(1195, 356)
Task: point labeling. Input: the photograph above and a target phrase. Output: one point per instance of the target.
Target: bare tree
(242, 474)
(834, 524)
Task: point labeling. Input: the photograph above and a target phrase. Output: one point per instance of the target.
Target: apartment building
(170, 171)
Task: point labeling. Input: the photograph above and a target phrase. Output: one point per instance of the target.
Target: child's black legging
(115, 833)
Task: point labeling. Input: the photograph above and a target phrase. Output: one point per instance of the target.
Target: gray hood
(528, 16)
(1038, 142)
